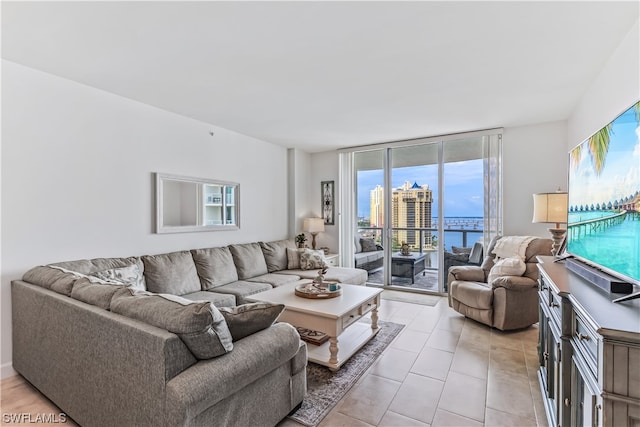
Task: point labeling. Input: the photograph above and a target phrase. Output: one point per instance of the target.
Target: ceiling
(324, 75)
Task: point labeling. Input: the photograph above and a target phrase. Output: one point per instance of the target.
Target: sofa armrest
(467, 273)
(209, 381)
(514, 282)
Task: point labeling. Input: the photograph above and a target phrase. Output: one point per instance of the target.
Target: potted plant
(300, 239)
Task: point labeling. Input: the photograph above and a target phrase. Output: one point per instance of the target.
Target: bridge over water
(590, 226)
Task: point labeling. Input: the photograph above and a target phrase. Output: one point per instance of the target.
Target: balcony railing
(467, 237)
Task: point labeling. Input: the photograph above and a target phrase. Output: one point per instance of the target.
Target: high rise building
(376, 207)
(410, 208)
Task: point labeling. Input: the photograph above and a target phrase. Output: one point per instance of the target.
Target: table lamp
(313, 226)
(552, 208)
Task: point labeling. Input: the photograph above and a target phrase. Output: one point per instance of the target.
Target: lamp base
(557, 235)
(313, 240)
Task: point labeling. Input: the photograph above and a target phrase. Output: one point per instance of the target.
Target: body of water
(616, 247)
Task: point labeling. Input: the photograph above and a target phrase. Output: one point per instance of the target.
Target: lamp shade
(313, 225)
(550, 207)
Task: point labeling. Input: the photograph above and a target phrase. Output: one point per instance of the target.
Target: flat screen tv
(603, 228)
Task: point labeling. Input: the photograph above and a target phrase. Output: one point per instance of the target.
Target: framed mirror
(186, 204)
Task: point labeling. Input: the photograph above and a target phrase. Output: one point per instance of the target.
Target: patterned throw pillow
(129, 276)
(311, 260)
(368, 245)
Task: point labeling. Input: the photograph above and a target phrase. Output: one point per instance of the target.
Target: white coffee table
(337, 317)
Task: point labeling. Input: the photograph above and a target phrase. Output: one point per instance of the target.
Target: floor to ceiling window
(417, 202)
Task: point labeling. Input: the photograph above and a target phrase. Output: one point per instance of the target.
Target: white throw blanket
(512, 246)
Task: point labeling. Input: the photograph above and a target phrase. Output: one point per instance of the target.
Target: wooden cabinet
(589, 352)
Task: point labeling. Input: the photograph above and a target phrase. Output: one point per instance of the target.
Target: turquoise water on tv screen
(616, 247)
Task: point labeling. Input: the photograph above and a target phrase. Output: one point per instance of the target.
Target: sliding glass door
(422, 203)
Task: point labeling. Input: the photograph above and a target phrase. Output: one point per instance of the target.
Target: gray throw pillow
(275, 254)
(368, 245)
(460, 250)
(249, 260)
(173, 273)
(215, 267)
(247, 319)
(199, 324)
(293, 259)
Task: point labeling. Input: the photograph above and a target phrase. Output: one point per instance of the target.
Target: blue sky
(620, 176)
(463, 186)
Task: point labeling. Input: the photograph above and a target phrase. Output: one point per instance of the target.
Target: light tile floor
(442, 370)
(445, 370)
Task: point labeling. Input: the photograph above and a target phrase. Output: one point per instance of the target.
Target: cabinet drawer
(367, 307)
(351, 317)
(586, 339)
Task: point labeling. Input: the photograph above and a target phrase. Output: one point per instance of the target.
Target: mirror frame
(160, 178)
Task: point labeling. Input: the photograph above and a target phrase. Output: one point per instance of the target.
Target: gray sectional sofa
(112, 350)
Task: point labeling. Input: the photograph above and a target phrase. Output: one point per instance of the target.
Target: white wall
(299, 197)
(616, 88)
(325, 167)
(535, 160)
(77, 180)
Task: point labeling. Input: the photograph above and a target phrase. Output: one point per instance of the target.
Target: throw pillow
(199, 324)
(311, 260)
(460, 250)
(215, 267)
(293, 259)
(173, 273)
(368, 245)
(275, 253)
(513, 266)
(128, 276)
(244, 320)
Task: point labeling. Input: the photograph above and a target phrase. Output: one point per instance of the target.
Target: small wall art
(328, 202)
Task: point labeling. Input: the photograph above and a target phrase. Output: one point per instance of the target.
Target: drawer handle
(567, 402)
(544, 287)
(583, 337)
(545, 355)
(554, 304)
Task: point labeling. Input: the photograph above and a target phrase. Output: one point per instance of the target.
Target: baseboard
(6, 370)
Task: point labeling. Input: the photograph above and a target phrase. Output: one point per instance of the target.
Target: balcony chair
(505, 300)
(463, 256)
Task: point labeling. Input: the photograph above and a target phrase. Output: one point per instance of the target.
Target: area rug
(412, 297)
(326, 388)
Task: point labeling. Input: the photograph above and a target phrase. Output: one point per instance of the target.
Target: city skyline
(463, 186)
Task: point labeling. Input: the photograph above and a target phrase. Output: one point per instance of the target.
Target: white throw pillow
(512, 266)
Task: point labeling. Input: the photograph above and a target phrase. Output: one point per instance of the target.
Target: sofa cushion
(473, 294)
(247, 319)
(460, 250)
(312, 260)
(249, 260)
(358, 245)
(215, 267)
(242, 289)
(129, 275)
(51, 278)
(275, 279)
(293, 258)
(98, 294)
(218, 299)
(275, 254)
(198, 324)
(173, 273)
